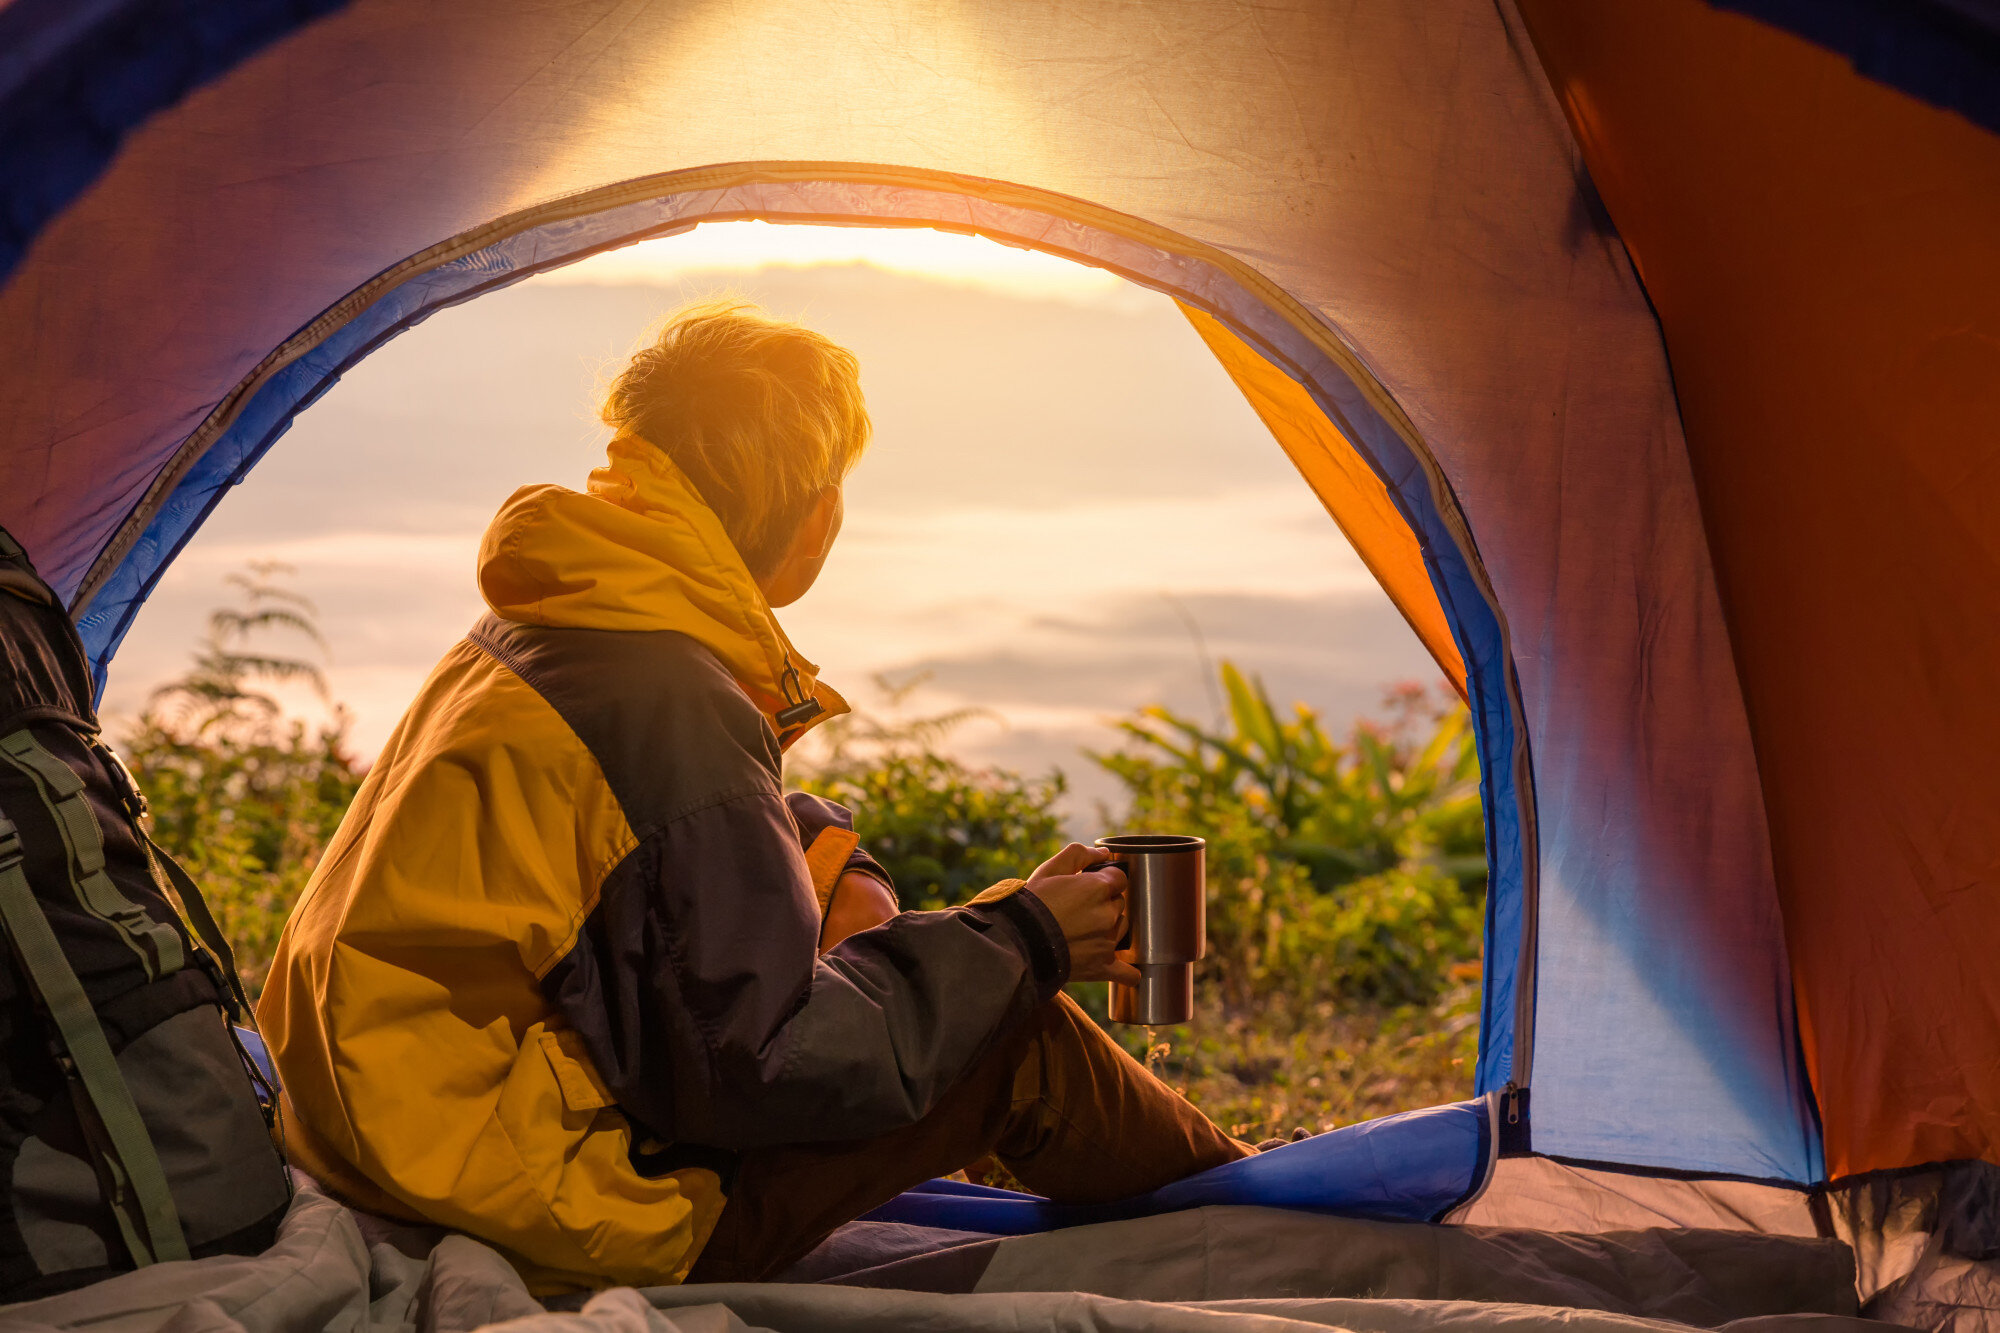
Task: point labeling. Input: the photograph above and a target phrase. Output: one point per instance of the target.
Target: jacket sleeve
(815, 814)
(698, 992)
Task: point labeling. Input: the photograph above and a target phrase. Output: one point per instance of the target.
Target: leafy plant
(246, 801)
(1346, 884)
(1388, 796)
(1349, 871)
(216, 691)
(942, 830)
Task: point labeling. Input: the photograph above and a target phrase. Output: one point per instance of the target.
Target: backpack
(134, 1129)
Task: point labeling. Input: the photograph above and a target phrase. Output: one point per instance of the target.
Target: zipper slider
(1510, 1097)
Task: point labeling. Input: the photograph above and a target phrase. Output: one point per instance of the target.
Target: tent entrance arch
(1354, 445)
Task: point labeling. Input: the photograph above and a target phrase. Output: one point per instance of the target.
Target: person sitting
(578, 978)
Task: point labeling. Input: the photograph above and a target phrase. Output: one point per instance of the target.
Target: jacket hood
(641, 550)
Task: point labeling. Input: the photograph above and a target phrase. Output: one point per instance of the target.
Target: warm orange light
(971, 261)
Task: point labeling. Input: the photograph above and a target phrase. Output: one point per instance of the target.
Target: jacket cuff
(1041, 937)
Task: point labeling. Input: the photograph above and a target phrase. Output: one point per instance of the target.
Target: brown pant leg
(1071, 1114)
(1089, 1124)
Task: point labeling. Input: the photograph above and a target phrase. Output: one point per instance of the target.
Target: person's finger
(1085, 857)
(1071, 859)
(1068, 861)
(1122, 972)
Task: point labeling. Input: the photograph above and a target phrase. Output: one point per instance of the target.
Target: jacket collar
(641, 550)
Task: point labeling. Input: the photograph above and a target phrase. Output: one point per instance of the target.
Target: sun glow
(964, 261)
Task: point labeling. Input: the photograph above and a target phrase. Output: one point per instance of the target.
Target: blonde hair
(761, 414)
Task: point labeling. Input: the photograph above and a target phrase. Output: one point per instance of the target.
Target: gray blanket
(1232, 1269)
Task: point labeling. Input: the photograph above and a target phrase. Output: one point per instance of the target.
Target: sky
(1067, 508)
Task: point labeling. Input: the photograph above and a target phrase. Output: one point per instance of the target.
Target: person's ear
(810, 546)
(823, 524)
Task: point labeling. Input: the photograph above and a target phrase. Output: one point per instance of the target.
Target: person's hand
(1089, 909)
(860, 902)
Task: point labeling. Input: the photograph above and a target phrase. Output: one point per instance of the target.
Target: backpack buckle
(128, 786)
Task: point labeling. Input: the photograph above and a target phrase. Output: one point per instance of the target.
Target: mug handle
(1125, 940)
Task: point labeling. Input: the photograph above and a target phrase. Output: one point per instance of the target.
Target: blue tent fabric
(1414, 1167)
(253, 1046)
(1946, 52)
(77, 75)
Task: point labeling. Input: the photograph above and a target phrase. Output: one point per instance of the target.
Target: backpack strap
(212, 946)
(57, 683)
(220, 959)
(157, 943)
(18, 576)
(202, 921)
(128, 1166)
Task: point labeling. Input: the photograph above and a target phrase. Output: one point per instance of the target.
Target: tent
(1648, 352)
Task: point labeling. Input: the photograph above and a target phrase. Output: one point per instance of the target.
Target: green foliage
(942, 830)
(1335, 870)
(245, 802)
(1346, 894)
(1389, 796)
(1281, 1065)
(1346, 885)
(216, 691)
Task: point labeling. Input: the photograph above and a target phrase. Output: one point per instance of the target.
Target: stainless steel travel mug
(1167, 905)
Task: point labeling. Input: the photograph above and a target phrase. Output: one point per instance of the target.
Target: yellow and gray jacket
(559, 962)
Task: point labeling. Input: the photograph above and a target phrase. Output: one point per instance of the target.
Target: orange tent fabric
(1354, 496)
(1822, 253)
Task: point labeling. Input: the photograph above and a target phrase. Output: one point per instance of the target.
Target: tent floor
(1213, 1268)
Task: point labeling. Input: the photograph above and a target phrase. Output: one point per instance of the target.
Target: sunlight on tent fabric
(968, 261)
(898, 81)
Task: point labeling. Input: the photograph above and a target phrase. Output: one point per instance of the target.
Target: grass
(1264, 1073)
